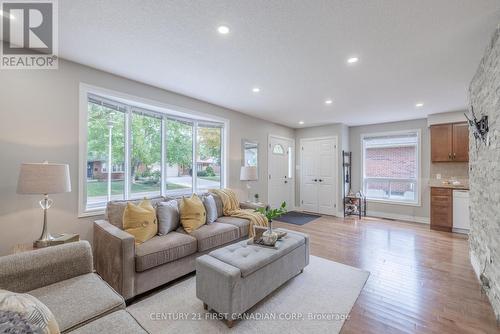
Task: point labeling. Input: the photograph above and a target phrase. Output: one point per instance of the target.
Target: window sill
(99, 211)
(385, 201)
(93, 213)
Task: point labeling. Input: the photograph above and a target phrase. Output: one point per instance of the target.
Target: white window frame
(168, 110)
(418, 188)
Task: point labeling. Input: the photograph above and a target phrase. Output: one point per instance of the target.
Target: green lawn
(96, 188)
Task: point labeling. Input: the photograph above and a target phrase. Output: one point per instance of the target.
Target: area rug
(297, 218)
(317, 301)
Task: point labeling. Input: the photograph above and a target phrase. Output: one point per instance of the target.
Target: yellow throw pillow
(140, 221)
(192, 213)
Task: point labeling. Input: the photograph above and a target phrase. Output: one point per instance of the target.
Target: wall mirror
(250, 152)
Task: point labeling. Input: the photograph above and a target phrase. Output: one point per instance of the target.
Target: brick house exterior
(391, 162)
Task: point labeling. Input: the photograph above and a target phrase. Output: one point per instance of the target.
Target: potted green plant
(273, 213)
(269, 237)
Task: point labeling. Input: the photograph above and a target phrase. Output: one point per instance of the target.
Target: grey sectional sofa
(62, 278)
(132, 270)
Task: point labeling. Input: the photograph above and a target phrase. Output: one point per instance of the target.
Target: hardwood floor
(421, 281)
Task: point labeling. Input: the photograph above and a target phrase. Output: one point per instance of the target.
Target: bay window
(208, 156)
(145, 157)
(391, 167)
(179, 155)
(105, 147)
(133, 152)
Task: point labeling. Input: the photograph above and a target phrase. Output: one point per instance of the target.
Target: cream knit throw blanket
(231, 207)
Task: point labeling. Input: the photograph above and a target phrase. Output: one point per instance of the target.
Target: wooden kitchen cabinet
(450, 142)
(442, 209)
(441, 142)
(460, 142)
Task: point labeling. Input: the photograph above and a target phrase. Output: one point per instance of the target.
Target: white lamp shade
(43, 178)
(248, 173)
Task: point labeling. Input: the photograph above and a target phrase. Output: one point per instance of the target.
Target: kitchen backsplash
(457, 170)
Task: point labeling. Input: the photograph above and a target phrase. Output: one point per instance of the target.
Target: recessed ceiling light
(256, 89)
(301, 122)
(352, 60)
(419, 105)
(224, 30)
(328, 101)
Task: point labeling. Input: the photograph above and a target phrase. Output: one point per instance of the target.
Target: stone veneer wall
(484, 173)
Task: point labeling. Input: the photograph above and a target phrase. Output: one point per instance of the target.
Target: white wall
(415, 213)
(341, 131)
(447, 117)
(39, 112)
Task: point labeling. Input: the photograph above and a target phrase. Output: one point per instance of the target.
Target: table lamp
(248, 173)
(43, 179)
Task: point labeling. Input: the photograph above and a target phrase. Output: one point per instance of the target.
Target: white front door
(318, 177)
(280, 172)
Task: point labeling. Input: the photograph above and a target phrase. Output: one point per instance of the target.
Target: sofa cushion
(162, 249)
(242, 223)
(140, 221)
(250, 258)
(25, 271)
(24, 313)
(210, 208)
(79, 300)
(214, 235)
(218, 203)
(168, 216)
(192, 212)
(114, 210)
(120, 322)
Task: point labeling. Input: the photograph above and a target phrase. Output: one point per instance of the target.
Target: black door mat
(297, 218)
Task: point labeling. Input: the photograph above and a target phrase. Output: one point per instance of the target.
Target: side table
(59, 239)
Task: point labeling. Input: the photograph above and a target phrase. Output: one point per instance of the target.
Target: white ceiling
(410, 51)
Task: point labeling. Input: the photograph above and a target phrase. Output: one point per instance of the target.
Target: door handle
(320, 180)
(286, 181)
(454, 156)
(315, 180)
(449, 156)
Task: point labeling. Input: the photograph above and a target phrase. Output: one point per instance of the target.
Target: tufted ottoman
(232, 279)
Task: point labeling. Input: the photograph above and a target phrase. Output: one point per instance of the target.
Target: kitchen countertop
(440, 184)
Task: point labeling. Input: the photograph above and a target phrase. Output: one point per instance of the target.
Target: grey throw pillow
(210, 208)
(168, 216)
(218, 202)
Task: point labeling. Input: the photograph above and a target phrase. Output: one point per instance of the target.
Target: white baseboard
(476, 265)
(334, 214)
(460, 230)
(422, 220)
(378, 214)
